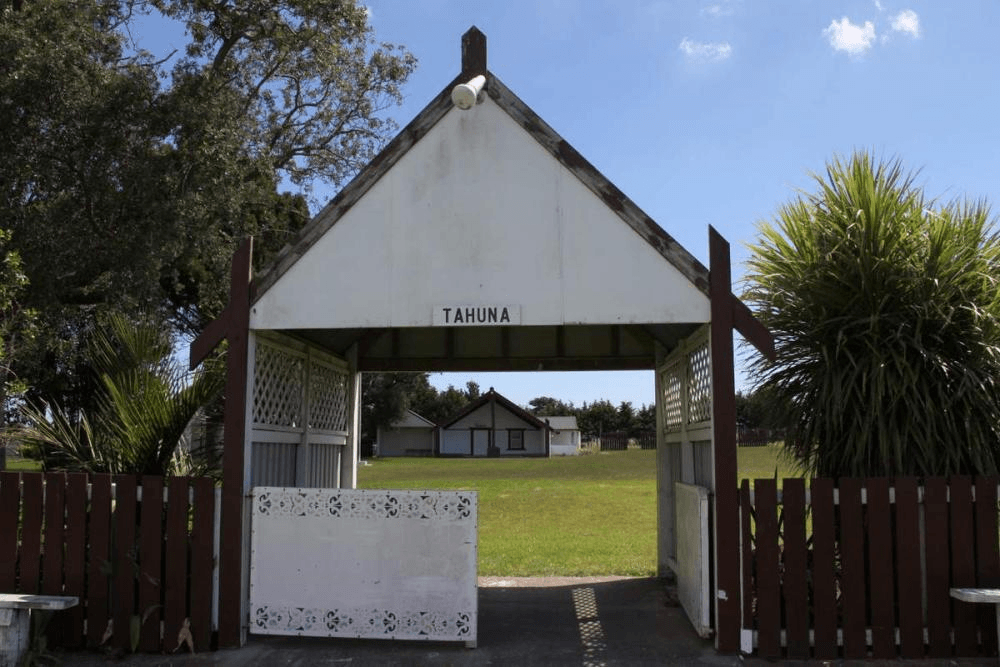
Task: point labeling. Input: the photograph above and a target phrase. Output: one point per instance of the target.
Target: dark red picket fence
(139, 556)
(863, 568)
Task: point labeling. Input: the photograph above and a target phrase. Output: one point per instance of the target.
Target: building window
(515, 438)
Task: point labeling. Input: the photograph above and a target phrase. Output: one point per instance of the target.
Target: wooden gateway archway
(479, 239)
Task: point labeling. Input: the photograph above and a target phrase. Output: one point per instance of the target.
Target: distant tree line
(600, 416)
(761, 408)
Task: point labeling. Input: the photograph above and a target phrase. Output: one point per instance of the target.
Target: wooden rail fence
(140, 556)
(862, 569)
(619, 441)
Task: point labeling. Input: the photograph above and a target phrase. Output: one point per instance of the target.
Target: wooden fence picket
(150, 574)
(852, 575)
(824, 570)
(880, 567)
(909, 585)
(987, 556)
(768, 581)
(99, 561)
(175, 597)
(10, 507)
(202, 562)
(76, 556)
(938, 569)
(795, 585)
(124, 564)
(963, 563)
(31, 534)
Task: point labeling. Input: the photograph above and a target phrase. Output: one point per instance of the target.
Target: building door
(480, 441)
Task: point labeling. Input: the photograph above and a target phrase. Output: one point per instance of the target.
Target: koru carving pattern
(449, 506)
(364, 623)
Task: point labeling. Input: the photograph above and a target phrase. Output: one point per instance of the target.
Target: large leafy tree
(128, 179)
(885, 308)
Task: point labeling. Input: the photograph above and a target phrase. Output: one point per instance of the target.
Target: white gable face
(486, 416)
(478, 214)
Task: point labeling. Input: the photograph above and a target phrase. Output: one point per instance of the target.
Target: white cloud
(720, 9)
(705, 52)
(907, 21)
(850, 37)
(878, 5)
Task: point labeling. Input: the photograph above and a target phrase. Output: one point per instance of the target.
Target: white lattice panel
(364, 563)
(328, 398)
(278, 387)
(699, 384)
(670, 381)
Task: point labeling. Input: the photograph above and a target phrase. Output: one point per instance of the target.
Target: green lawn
(21, 465)
(580, 515)
(762, 462)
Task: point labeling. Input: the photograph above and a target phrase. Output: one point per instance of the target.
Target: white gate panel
(693, 585)
(364, 563)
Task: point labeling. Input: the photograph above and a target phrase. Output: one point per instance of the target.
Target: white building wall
(564, 443)
(478, 213)
(455, 442)
(534, 444)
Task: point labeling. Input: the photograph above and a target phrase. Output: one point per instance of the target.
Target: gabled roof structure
(474, 63)
(484, 207)
(411, 419)
(499, 399)
(562, 423)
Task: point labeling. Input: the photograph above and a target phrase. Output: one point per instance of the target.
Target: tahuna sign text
(464, 316)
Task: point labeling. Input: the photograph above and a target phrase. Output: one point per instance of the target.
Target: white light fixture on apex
(465, 95)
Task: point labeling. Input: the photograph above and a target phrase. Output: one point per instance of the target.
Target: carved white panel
(364, 563)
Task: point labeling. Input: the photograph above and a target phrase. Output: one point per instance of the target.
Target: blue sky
(715, 112)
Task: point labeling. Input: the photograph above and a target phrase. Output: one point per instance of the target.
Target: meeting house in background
(491, 426)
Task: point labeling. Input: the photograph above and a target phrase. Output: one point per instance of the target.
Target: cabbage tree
(885, 307)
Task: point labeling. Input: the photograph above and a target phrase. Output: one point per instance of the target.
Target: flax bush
(885, 308)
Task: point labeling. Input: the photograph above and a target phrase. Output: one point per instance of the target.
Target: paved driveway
(560, 621)
(593, 622)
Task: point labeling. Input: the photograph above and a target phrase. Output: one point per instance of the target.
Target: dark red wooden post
(727, 527)
(727, 313)
(234, 325)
